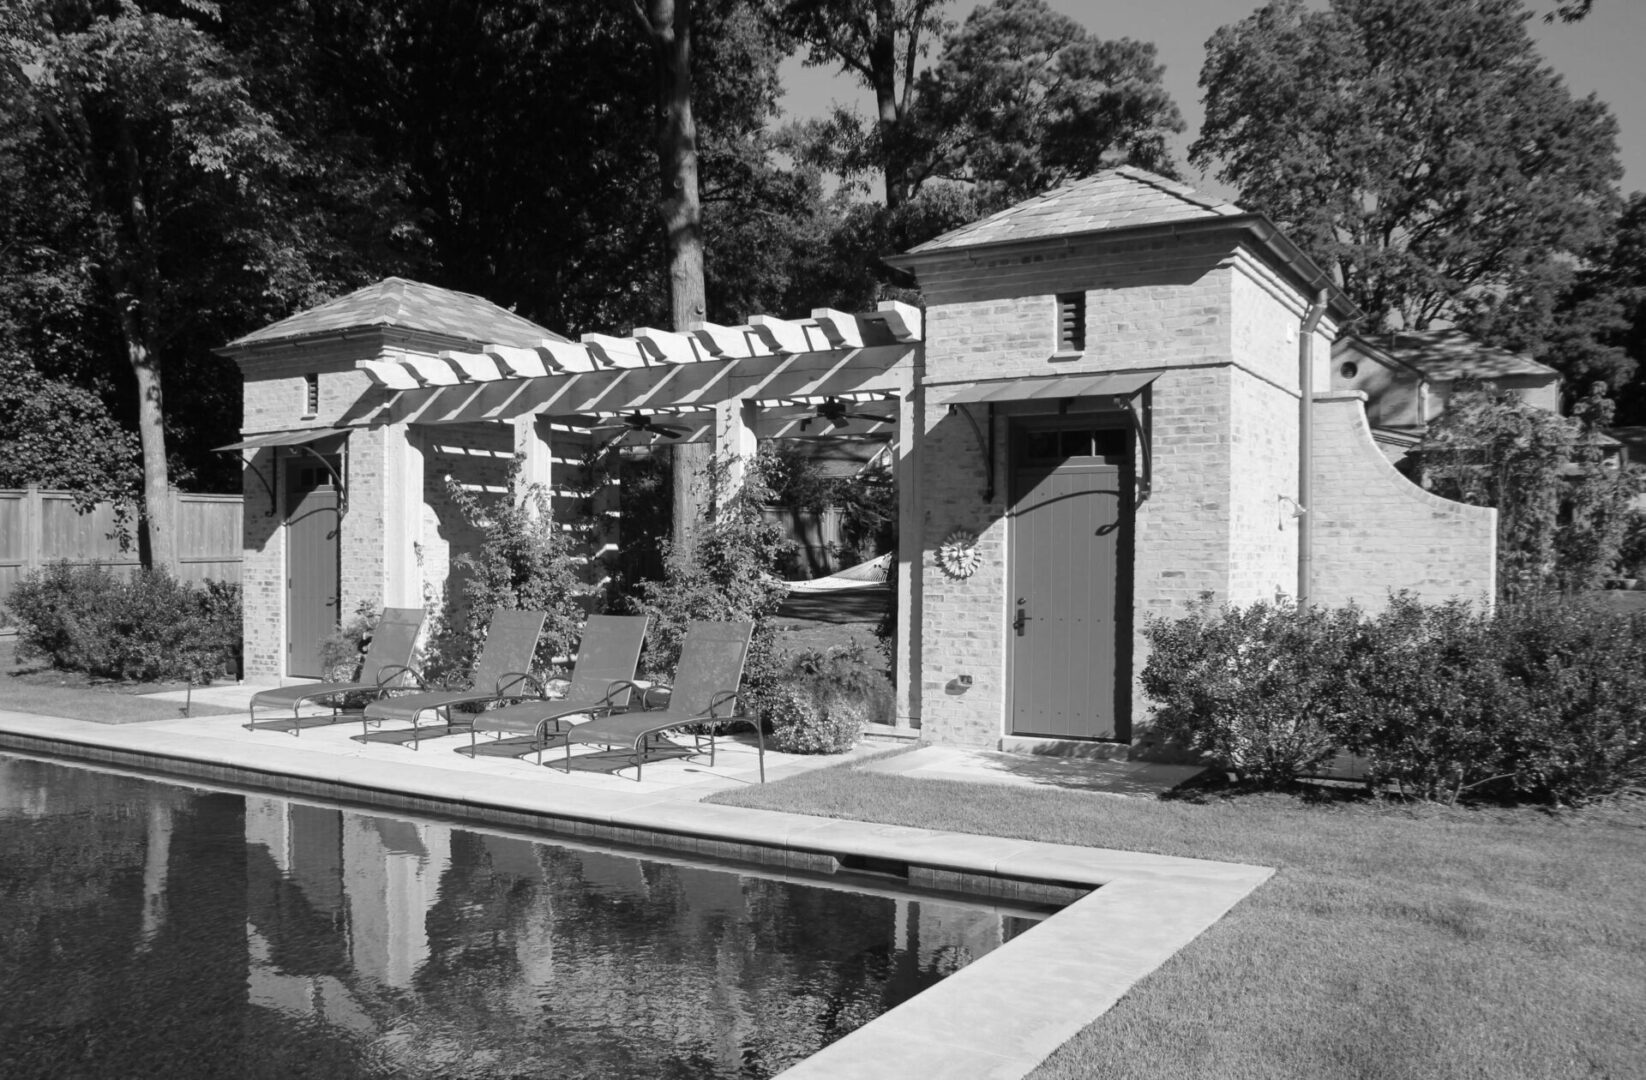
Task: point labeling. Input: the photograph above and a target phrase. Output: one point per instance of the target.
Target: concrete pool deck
(998, 1017)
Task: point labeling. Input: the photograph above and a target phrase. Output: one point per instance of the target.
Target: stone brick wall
(1375, 532)
(263, 572)
(1222, 328)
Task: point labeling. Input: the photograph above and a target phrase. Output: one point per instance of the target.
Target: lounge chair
(502, 671)
(705, 691)
(387, 666)
(602, 682)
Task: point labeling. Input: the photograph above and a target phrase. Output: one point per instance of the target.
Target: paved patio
(998, 1017)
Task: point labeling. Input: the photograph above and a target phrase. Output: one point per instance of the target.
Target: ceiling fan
(635, 421)
(838, 413)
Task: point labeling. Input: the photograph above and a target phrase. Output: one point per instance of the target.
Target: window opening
(1071, 322)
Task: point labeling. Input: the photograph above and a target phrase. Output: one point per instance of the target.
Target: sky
(1602, 54)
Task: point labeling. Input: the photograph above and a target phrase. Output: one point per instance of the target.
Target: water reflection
(146, 929)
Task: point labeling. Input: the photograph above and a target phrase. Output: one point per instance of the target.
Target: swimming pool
(154, 929)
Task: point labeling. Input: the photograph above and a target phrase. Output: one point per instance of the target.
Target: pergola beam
(706, 383)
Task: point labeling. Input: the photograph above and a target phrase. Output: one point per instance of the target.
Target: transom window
(1106, 443)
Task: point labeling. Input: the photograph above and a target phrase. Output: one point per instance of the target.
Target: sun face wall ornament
(958, 556)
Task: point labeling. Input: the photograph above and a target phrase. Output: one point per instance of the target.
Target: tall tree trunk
(883, 65)
(667, 25)
(151, 430)
(135, 281)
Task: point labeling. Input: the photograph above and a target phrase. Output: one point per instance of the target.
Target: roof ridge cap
(1176, 188)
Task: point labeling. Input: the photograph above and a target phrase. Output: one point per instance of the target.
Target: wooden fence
(39, 527)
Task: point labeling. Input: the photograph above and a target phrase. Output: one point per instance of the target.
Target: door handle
(1018, 623)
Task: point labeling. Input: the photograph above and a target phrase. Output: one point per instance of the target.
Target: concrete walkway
(998, 1017)
(1092, 775)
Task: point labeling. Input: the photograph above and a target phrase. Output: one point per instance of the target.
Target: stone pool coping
(999, 1017)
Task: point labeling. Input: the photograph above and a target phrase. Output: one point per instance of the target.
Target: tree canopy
(1420, 149)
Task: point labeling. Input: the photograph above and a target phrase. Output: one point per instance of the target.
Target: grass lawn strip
(98, 706)
(1392, 942)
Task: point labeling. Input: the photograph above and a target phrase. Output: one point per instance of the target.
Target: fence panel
(39, 527)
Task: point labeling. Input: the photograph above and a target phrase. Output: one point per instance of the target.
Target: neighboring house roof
(1115, 199)
(406, 305)
(1450, 354)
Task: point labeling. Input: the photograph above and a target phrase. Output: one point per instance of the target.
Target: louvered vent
(1071, 322)
(311, 395)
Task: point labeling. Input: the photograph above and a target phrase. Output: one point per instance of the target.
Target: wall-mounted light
(1290, 510)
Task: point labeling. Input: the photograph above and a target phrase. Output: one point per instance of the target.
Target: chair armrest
(507, 681)
(719, 700)
(390, 672)
(646, 698)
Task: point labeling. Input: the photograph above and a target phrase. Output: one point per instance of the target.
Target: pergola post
(735, 443)
(910, 526)
(533, 445)
(402, 515)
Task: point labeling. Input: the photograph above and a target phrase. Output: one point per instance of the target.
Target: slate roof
(1114, 199)
(407, 305)
(1446, 355)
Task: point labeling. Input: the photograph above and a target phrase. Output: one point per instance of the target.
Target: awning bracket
(985, 446)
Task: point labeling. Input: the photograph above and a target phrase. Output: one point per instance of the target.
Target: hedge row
(1543, 702)
(145, 628)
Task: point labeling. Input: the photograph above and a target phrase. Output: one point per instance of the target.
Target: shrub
(1432, 707)
(523, 562)
(1257, 690)
(149, 627)
(725, 574)
(821, 701)
(61, 610)
(1583, 674)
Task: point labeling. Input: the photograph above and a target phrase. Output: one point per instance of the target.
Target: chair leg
(296, 722)
(760, 740)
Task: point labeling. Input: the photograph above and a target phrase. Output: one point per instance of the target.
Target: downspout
(1306, 446)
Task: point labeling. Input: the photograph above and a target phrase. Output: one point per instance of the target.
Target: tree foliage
(1419, 148)
(1019, 97)
(1562, 507)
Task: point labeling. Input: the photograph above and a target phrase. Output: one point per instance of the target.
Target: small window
(1349, 369)
(311, 395)
(1071, 322)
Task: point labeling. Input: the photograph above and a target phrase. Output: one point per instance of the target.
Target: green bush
(726, 574)
(821, 700)
(1433, 709)
(1258, 691)
(343, 651)
(1540, 701)
(1584, 678)
(524, 563)
(145, 628)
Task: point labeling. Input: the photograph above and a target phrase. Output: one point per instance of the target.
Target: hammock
(862, 576)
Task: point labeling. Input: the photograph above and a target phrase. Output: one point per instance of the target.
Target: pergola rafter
(769, 361)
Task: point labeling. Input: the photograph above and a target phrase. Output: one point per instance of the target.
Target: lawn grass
(34, 688)
(1393, 942)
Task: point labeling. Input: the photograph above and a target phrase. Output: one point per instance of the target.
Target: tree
(151, 171)
(1420, 149)
(1562, 508)
(1019, 98)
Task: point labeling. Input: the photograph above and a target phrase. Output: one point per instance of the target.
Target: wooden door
(312, 584)
(1069, 606)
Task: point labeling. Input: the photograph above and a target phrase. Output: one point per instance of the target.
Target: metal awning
(1122, 384)
(1126, 389)
(304, 439)
(299, 437)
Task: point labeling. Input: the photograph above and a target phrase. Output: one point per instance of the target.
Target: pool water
(148, 929)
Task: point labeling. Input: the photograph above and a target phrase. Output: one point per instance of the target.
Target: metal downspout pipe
(1306, 447)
